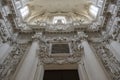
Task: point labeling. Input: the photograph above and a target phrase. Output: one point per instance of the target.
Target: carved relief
(8, 67)
(82, 35)
(111, 64)
(46, 58)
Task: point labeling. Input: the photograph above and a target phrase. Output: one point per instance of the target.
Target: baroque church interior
(59, 39)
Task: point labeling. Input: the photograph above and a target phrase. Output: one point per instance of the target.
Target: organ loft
(59, 39)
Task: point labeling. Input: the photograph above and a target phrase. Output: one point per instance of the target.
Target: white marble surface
(115, 48)
(4, 50)
(82, 73)
(39, 73)
(28, 68)
(92, 66)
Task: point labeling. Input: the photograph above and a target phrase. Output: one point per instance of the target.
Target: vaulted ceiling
(48, 8)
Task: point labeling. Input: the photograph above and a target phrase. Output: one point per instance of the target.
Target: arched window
(24, 11)
(93, 10)
(59, 19)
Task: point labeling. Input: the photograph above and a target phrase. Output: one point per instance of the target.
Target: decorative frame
(59, 54)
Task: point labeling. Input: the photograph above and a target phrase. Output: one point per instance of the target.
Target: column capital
(82, 35)
(37, 36)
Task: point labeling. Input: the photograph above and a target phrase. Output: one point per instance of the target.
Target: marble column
(92, 65)
(82, 72)
(4, 51)
(115, 49)
(39, 72)
(29, 65)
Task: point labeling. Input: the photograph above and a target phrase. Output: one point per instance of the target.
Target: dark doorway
(61, 75)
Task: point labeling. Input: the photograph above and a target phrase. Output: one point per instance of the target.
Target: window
(59, 19)
(60, 48)
(24, 11)
(93, 10)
